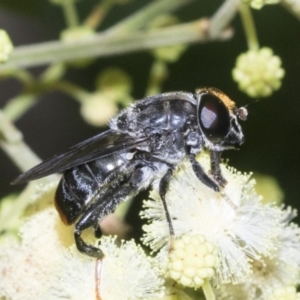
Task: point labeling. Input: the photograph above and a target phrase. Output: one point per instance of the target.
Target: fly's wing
(101, 145)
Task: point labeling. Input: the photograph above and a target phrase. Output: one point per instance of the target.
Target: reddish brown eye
(214, 119)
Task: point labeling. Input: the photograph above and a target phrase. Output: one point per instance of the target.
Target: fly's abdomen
(79, 186)
(75, 190)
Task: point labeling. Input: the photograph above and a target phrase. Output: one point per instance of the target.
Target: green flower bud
(192, 260)
(258, 73)
(116, 83)
(6, 46)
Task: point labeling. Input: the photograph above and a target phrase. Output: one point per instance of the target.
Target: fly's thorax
(170, 113)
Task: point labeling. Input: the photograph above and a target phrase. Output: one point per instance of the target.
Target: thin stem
(223, 16)
(249, 27)
(53, 73)
(102, 45)
(17, 106)
(96, 16)
(158, 74)
(22, 75)
(11, 141)
(207, 290)
(139, 19)
(69, 88)
(70, 13)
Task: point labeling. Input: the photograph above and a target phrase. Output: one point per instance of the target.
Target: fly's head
(218, 120)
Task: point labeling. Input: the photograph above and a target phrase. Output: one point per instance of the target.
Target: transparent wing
(101, 145)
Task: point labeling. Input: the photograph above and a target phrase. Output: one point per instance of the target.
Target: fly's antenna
(250, 103)
(242, 112)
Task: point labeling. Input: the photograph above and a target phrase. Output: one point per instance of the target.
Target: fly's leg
(121, 186)
(86, 221)
(163, 188)
(215, 158)
(96, 212)
(97, 231)
(202, 176)
(114, 180)
(163, 184)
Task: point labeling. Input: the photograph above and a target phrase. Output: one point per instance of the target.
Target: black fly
(143, 146)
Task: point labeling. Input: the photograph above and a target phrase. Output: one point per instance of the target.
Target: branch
(11, 141)
(222, 17)
(102, 45)
(16, 106)
(145, 15)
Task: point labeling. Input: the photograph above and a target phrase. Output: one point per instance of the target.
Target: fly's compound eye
(214, 119)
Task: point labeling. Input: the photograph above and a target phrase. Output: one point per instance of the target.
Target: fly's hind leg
(89, 219)
(122, 185)
(97, 231)
(96, 212)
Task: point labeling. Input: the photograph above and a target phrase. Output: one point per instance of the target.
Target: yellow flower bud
(116, 82)
(98, 109)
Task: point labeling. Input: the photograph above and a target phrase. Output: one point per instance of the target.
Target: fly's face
(218, 120)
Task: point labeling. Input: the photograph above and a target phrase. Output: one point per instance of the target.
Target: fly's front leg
(215, 158)
(202, 176)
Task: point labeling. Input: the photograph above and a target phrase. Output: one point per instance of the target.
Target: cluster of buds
(258, 72)
(192, 260)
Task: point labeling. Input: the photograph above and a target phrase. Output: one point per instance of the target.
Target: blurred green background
(272, 130)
